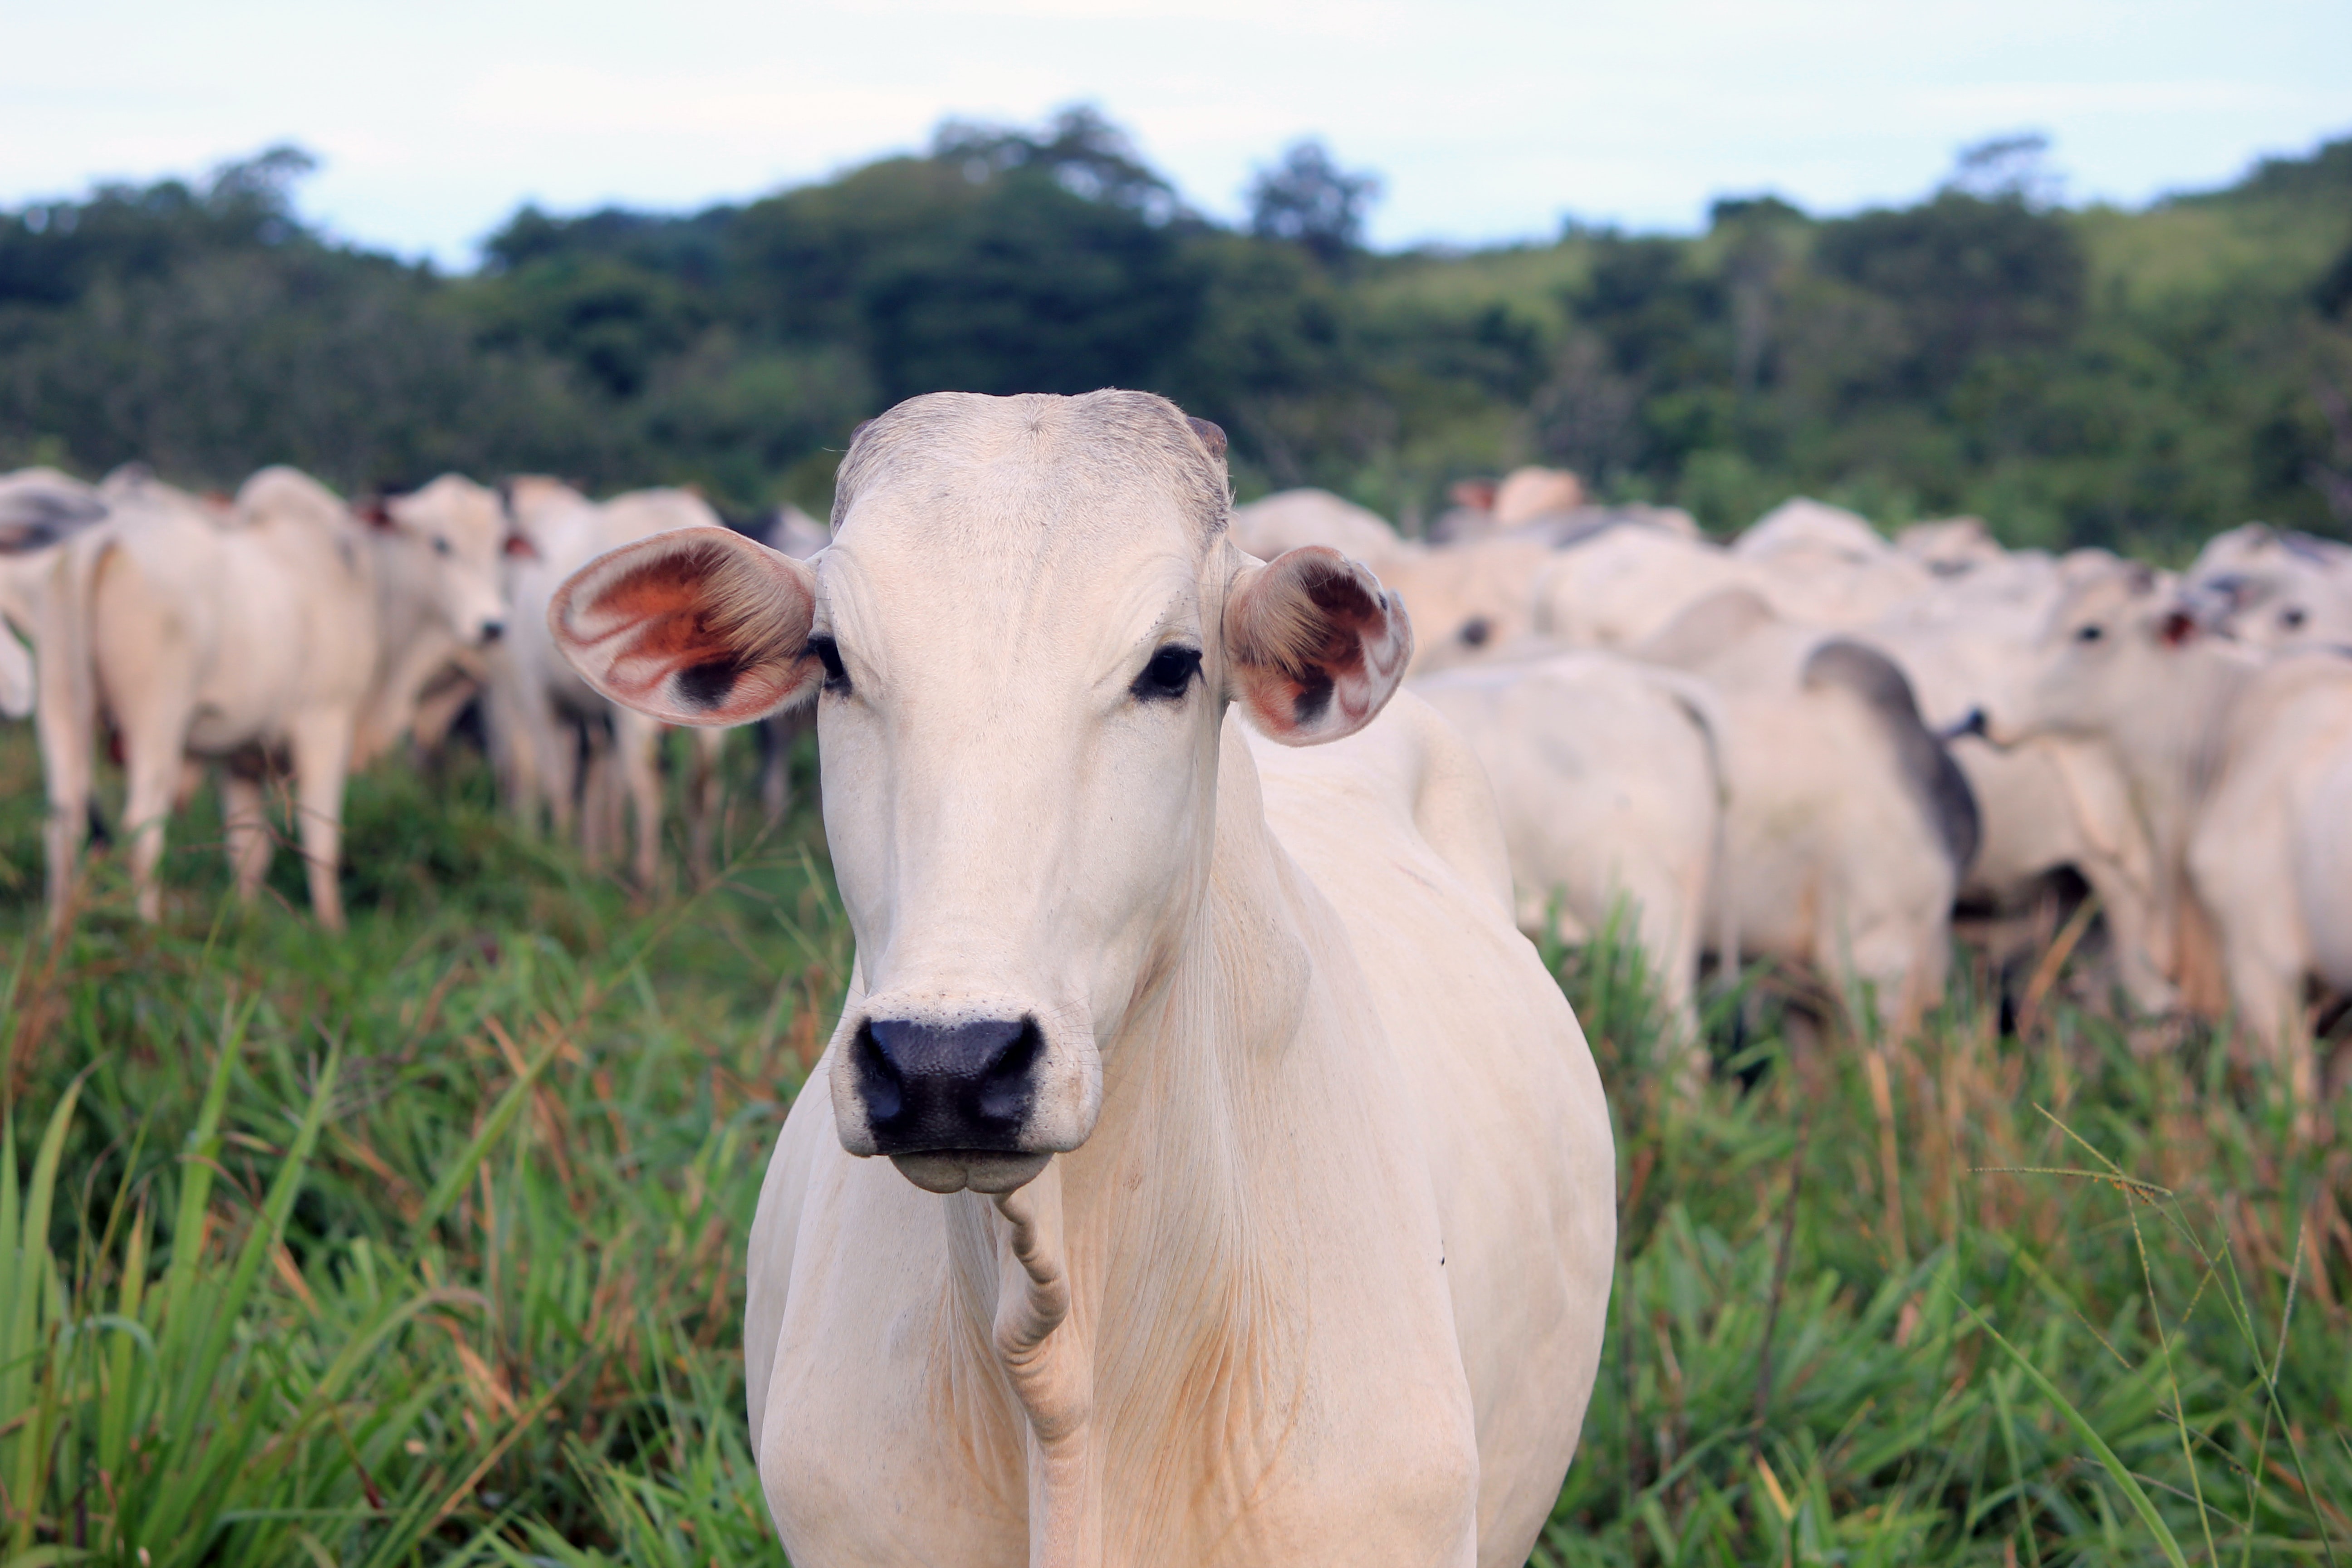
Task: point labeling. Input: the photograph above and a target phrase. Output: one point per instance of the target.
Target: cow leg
(637, 740)
(244, 823)
(145, 672)
(599, 807)
(66, 733)
(322, 752)
(2131, 922)
(151, 766)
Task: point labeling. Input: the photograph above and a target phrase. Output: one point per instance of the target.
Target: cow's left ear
(696, 626)
(1315, 648)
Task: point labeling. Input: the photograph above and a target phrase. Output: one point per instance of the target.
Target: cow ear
(519, 544)
(1314, 646)
(696, 626)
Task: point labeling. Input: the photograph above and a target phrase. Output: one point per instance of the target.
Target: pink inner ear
(1317, 647)
(659, 607)
(692, 630)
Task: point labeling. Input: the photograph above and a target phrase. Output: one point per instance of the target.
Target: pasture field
(423, 1245)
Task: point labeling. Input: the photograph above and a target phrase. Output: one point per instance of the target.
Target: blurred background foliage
(2085, 376)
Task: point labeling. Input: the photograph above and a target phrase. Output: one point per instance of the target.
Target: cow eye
(2091, 633)
(1168, 674)
(2291, 617)
(827, 652)
(440, 545)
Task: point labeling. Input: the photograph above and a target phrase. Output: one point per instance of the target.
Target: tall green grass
(423, 1245)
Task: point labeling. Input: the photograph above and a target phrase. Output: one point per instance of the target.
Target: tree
(1308, 200)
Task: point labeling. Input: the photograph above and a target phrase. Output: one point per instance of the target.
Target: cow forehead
(1011, 601)
(455, 504)
(1017, 546)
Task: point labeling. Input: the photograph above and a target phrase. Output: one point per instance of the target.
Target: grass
(424, 1245)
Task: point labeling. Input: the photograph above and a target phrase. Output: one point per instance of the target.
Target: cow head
(458, 532)
(1022, 643)
(2101, 659)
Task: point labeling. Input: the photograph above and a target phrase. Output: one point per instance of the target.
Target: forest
(2073, 374)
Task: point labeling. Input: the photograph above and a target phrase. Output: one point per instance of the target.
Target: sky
(1487, 120)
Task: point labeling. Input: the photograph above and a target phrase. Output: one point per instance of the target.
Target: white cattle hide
(2280, 591)
(2054, 801)
(1529, 493)
(1610, 794)
(1951, 547)
(2120, 664)
(235, 640)
(1809, 526)
(40, 509)
(538, 708)
(1254, 1199)
(1468, 601)
(446, 604)
(2271, 853)
(1849, 825)
(1289, 519)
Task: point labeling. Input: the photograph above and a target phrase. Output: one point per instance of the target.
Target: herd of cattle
(1279, 1203)
(1810, 745)
(285, 632)
(1813, 743)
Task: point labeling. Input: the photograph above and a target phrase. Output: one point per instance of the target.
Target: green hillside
(2091, 376)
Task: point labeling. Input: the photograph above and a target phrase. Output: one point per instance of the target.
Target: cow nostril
(878, 1082)
(493, 630)
(928, 1087)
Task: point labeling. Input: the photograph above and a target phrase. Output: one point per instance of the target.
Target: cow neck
(1184, 1392)
(2171, 744)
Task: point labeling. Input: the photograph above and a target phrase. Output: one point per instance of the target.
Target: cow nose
(936, 1087)
(492, 631)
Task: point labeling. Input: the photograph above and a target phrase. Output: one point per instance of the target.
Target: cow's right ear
(696, 626)
(1315, 646)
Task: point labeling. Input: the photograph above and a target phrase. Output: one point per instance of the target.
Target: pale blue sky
(1490, 119)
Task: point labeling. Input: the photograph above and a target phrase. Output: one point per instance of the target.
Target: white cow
(1803, 526)
(2271, 853)
(237, 640)
(2054, 801)
(462, 527)
(1606, 773)
(40, 509)
(2280, 592)
(1621, 586)
(1279, 1188)
(1288, 520)
(1849, 825)
(2120, 663)
(1952, 546)
(541, 712)
(1625, 584)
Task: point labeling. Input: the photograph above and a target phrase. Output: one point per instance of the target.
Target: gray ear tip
(1211, 435)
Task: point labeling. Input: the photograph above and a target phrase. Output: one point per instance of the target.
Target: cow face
(2102, 658)
(1022, 643)
(458, 532)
